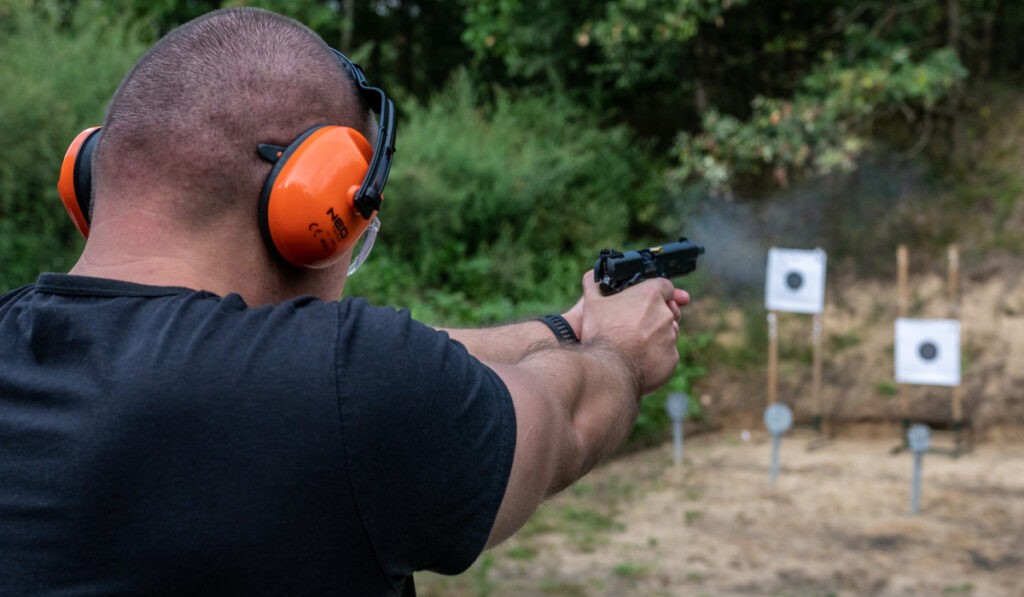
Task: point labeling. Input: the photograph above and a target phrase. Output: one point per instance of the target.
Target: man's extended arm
(575, 403)
(510, 343)
(504, 344)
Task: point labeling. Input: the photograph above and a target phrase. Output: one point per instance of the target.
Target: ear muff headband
(306, 212)
(370, 194)
(75, 183)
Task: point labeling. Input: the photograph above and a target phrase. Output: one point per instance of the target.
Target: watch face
(778, 418)
(676, 405)
(919, 437)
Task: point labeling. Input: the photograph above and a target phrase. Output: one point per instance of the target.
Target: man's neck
(146, 247)
(137, 248)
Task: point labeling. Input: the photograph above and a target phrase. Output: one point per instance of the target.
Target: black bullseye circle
(928, 351)
(794, 280)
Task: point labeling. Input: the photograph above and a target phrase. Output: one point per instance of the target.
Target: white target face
(795, 281)
(928, 351)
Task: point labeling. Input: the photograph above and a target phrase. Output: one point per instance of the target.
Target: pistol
(616, 271)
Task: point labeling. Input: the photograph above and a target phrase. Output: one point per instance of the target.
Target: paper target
(928, 351)
(795, 281)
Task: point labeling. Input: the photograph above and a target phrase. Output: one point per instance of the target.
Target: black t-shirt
(158, 440)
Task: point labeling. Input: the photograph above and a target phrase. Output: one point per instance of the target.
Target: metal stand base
(962, 438)
(819, 440)
(903, 446)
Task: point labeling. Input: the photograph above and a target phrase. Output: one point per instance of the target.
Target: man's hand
(641, 323)
(575, 403)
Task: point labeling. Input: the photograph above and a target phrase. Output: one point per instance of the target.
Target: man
(189, 412)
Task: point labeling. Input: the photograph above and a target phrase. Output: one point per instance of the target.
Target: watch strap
(560, 327)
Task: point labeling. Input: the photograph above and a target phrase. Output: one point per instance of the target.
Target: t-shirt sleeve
(429, 438)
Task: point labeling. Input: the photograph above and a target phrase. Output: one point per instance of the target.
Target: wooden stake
(954, 313)
(816, 375)
(903, 306)
(902, 272)
(773, 357)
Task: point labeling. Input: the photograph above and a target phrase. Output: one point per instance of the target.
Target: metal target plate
(778, 418)
(676, 406)
(919, 437)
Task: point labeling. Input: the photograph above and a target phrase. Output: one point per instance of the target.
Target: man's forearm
(505, 343)
(600, 391)
(574, 405)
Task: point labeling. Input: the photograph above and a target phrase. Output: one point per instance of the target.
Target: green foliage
(824, 127)
(499, 210)
(630, 570)
(887, 387)
(61, 63)
(531, 40)
(653, 419)
(645, 41)
(839, 342)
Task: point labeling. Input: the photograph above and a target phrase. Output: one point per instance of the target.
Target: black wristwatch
(561, 328)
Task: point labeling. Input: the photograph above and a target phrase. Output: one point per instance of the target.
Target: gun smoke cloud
(858, 218)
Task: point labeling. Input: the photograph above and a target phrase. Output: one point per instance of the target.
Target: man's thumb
(590, 287)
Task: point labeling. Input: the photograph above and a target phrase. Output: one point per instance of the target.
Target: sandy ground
(837, 523)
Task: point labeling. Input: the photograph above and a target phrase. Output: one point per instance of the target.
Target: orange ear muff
(307, 211)
(75, 182)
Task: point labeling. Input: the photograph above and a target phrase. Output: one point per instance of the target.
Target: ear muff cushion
(75, 183)
(307, 215)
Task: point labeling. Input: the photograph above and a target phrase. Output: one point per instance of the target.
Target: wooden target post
(903, 308)
(958, 424)
(773, 357)
(819, 322)
(816, 340)
(903, 304)
(961, 444)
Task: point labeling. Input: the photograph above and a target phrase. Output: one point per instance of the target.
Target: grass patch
(692, 516)
(522, 552)
(840, 342)
(592, 520)
(887, 387)
(582, 490)
(630, 570)
(564, 588)
(961, 589)
(482, 586)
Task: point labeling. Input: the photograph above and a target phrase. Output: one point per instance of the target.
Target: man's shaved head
(185, 122)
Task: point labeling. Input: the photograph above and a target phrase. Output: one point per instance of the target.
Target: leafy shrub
(825, 127)
(61, 64)
(493, 212)
(653, 419)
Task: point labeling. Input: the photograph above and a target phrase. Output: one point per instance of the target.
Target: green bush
(653, 419)
(495, 212)
(61, 64)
